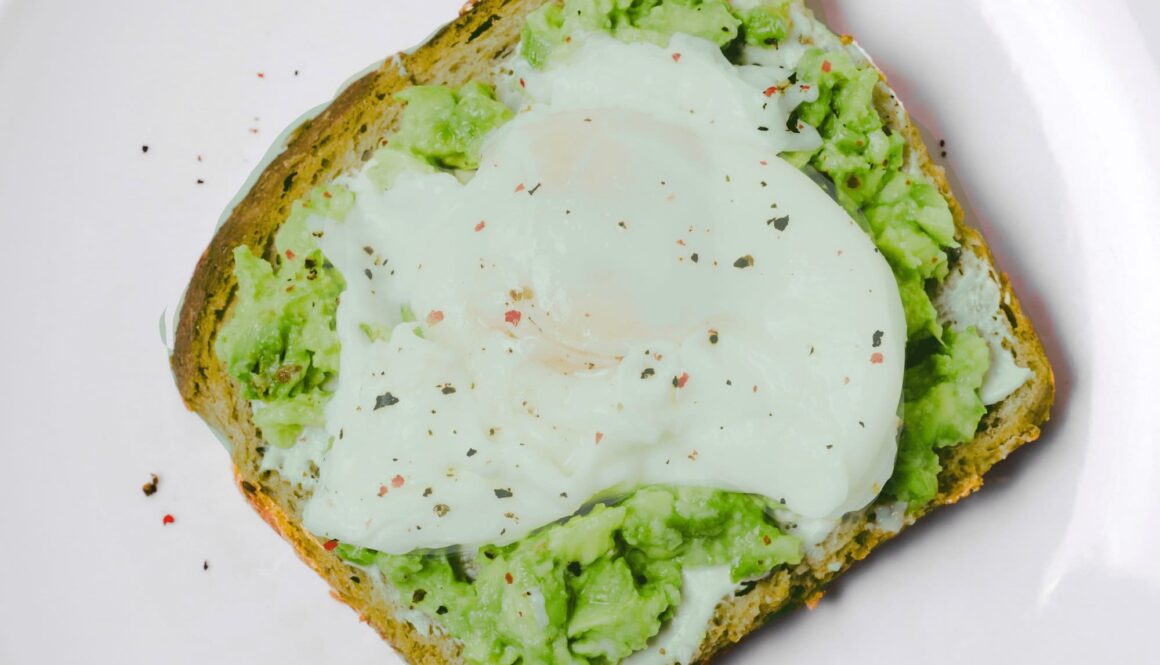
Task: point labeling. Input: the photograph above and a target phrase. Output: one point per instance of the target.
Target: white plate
(1049, 111)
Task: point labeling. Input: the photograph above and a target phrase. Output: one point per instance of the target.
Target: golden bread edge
(341, 138)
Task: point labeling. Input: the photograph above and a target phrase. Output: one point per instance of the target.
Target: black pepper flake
(574, 568)
(418, 595)
(355, 579)
(563, 495)
(744, 262)
(144, 148)
(428, 491)
(150, 488)
(501, 493)
(205, 565)
(779, 223)
(861, 424)
(763, 129)
(877, 338)
(648, 373)
(386, 399)
(942, 143)
(713, 338)
(532, 191)
(447, 389)
(471, 452)
(676, 382)
(695, 257)
(202, 182)
(368, 273)
(441, 610)
(369, 250)
(441, 509)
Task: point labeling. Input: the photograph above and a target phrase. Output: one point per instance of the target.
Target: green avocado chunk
(594, 588)
(281, 343)
(941, 408)
(446, 127)
(909, 220)
(548, 28)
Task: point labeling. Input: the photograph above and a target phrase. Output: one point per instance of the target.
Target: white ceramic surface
(1049, 113)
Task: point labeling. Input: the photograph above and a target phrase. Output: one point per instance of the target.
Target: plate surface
(1048, 111)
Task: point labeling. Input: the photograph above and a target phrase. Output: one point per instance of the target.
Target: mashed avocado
(912, 226)
(592, 589)
(595, 588)
(281, 343)
(548, 28)
(446, 128)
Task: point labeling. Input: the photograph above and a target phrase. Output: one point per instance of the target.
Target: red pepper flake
(826, 67)
(599, 436)
(681, 243)
(479, 227)
(326, 194)
(290, 254)
(507, 577)
(877, 358)
(754, 388)
(771, 91)
(520, 187)
(693, 455)
(682, 379)
(434, 317)
(512, 316)
(766, 539)
(382, 490)
(168, 519)
(676, 57)
(253, 130)
(763, 163)
(804, 87)
(330, 545)
(261, 75)
(397, 481)
(522, 84)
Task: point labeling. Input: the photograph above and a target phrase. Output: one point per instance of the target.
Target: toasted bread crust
(341, 138)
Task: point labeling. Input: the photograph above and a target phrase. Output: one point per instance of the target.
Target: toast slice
(341, 138)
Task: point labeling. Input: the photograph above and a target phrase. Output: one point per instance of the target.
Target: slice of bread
(340, 139)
